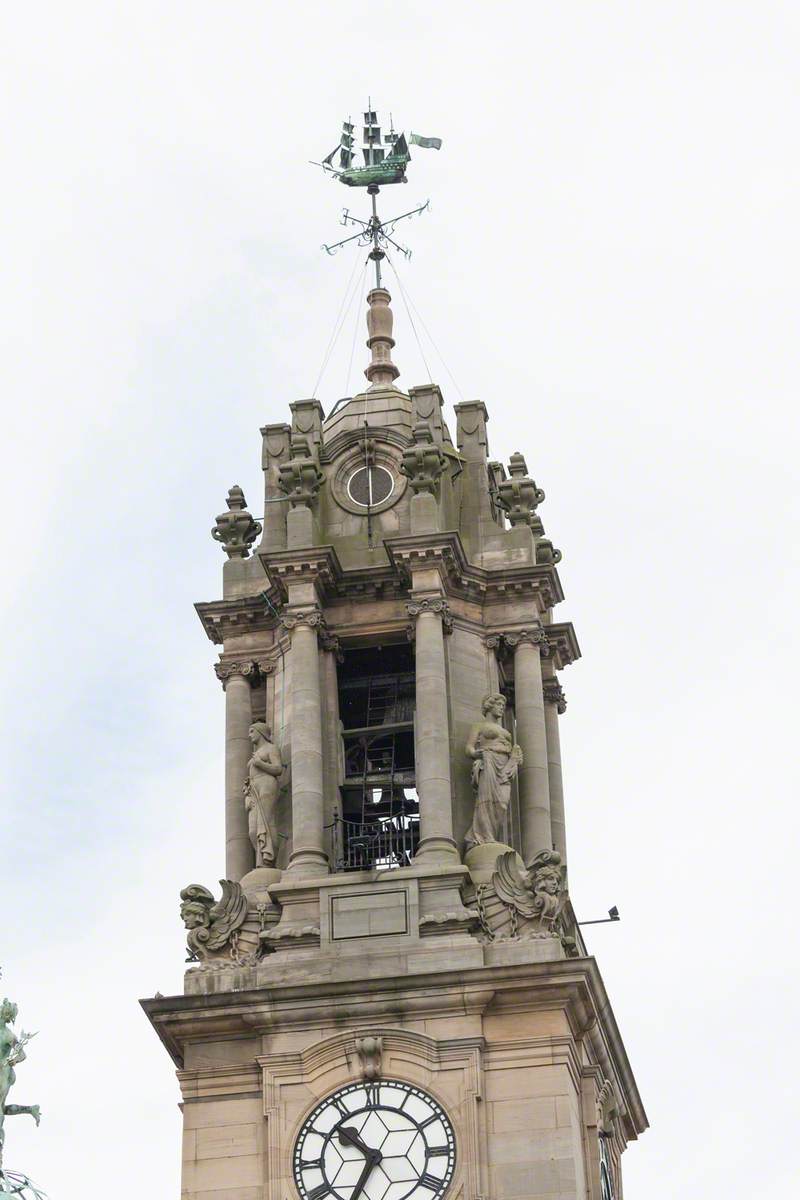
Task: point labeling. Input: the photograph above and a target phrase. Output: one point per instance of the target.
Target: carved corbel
(369, 1051)
(423, 462)
(300, 477)
(519, 495)
(235, 529)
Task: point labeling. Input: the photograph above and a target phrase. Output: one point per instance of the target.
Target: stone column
(330, 655)
(534, 785)
(308, 849)
(554, 704)
(236, 678)
(437, 843)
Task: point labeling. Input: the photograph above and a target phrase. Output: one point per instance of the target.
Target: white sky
(611, 264)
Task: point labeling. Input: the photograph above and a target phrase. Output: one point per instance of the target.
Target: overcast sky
(611, 264)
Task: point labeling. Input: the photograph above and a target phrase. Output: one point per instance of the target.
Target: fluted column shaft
(308, 849)
(236, 679)
(534, 785)
(432, 734)
(554, 703)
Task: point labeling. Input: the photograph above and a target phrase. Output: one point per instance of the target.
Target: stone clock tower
(388, 996)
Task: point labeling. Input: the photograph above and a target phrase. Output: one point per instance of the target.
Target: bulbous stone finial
(381, 372)
(236, 529)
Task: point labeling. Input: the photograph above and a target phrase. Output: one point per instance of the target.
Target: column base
(437, 850)
(307, 864)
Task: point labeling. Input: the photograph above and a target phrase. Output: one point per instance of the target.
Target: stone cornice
(462, 578)
(317, 564)
(222, 619)
(563, 644)
(574, 984)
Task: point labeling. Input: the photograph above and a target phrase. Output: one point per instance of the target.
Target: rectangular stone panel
(369, 914)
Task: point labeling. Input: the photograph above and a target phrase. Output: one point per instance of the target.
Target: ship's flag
(427, 143)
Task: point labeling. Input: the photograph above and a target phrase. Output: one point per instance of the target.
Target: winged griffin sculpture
(521, 901)
(213, 925)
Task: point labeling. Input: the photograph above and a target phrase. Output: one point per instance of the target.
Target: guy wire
(410, 301)
(355, 330)
(410, 318)
(346, 299)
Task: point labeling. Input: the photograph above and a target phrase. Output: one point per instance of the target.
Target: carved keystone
(369, 1050)
(235, 529)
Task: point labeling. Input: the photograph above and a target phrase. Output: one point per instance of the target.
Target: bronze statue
(495, 765)
(12, 1051)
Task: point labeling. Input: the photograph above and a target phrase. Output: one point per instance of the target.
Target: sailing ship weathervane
(385, 158)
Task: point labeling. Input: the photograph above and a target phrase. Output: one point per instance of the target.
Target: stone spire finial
(381, 372)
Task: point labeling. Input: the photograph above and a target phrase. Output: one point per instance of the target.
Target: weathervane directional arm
(338, 245)
(411, 213)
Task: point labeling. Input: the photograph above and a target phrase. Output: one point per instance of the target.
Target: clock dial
(369, 486)
(375, 1141)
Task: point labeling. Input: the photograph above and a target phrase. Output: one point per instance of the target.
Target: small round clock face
(379, 1141)
(369, 486)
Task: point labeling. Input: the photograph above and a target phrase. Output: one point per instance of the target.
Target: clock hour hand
(350, 1136)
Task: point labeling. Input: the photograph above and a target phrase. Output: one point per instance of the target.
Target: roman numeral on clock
(434, 1150)
(318, 1192)
(309, 1163)
(429, 1181)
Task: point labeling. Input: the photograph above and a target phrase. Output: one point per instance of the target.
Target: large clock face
(379, 1141)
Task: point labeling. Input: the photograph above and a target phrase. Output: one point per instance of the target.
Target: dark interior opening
(379, 824)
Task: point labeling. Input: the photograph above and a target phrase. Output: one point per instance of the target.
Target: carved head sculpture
(259, 731)
(196, 902)
(494, 705)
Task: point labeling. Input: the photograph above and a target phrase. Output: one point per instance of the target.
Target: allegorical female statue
(12, 1052)
(261, 793)
(496, 761)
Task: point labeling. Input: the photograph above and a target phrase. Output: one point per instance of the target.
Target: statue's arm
(471, 747)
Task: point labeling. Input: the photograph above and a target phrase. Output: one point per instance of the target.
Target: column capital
(309, 616)
(329, 641)
(534, 635)
(433, 604)
(228, 670)
(554, 694)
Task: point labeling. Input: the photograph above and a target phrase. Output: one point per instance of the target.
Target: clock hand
(371, 1157)
(351, 1135)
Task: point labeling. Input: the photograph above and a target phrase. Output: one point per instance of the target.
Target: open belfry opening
(389, 994)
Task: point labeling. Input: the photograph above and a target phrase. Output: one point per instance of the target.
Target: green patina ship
(385, 156)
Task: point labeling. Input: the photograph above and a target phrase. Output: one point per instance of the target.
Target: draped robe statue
(261, 794)
(495, 765)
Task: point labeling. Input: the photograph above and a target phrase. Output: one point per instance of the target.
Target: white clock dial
(375, 1141)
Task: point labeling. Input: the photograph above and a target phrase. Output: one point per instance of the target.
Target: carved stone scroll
(369, 1050)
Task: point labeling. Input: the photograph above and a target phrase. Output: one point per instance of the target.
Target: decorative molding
(534, 635)
(563, 644)
(546, 552)
(329, 641)
(554, 694)
(235, 529)
(222, 619)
